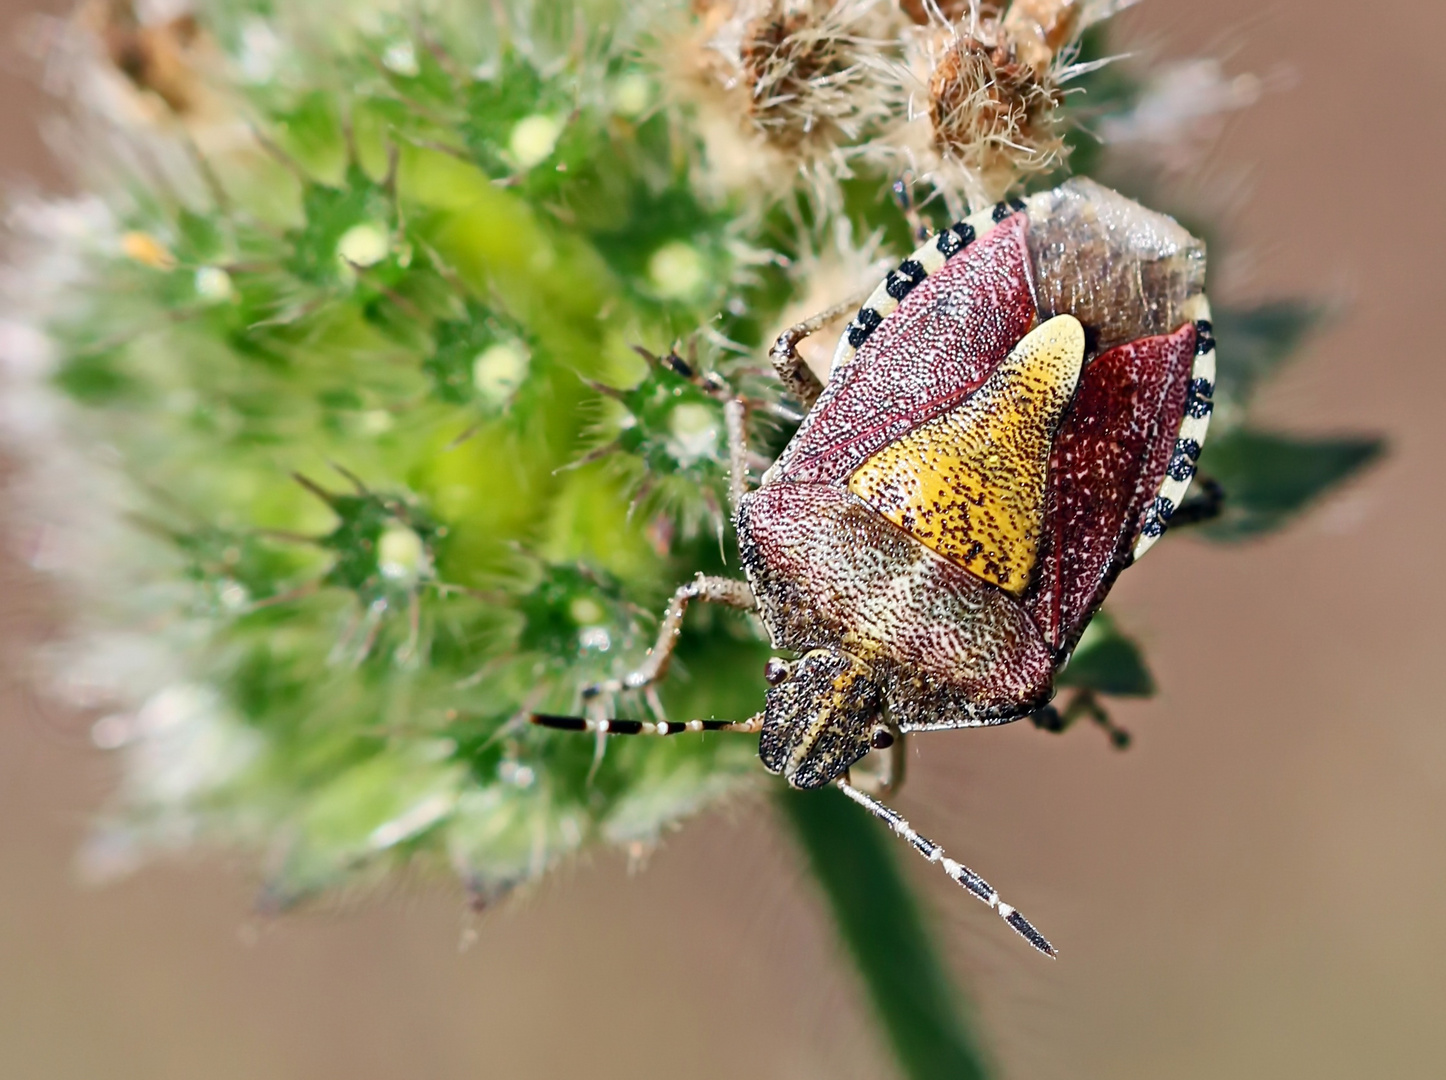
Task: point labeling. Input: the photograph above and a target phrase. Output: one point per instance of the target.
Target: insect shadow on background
(1012, 418)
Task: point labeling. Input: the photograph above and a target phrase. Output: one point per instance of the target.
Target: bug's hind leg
(795, 375)
(1083, 703)
(960, 874)
(713, 590)
(1206, 504)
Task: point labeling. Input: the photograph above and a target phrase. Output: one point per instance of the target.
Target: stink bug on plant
(1010, 420)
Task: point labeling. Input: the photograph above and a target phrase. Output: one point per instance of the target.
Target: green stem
(881, 923)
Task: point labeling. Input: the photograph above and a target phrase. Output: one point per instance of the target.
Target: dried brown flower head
(991, 80)
(796, 85)
(155, 56)
(1038, 31)
(993, 115)
(798, 73)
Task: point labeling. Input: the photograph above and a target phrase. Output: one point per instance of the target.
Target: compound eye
(775, 671)
(881, 739)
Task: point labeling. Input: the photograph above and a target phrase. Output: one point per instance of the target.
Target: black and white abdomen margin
(1193, 426)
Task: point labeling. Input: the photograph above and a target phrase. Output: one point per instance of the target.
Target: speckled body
(965, 618)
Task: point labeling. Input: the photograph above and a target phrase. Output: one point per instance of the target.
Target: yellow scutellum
(971, 483)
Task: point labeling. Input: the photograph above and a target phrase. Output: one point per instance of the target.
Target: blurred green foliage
(1253, 342)
(1108, 662)
(1269, 478)
(855, 861)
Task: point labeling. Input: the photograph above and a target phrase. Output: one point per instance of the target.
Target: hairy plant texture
(989, 83)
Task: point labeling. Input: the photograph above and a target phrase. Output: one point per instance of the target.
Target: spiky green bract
(354, 387)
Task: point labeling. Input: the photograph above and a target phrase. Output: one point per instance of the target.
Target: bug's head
(823, 714)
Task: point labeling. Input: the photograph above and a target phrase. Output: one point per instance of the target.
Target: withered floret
(993, 114)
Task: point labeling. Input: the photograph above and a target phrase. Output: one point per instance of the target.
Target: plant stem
(883, 927)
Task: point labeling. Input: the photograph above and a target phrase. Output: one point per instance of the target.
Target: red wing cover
(1107, 463)
(941, 343)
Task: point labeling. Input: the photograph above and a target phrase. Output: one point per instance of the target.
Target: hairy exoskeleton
(962, 494)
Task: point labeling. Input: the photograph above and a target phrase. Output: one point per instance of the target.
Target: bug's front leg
(735, 421)
(795, 375)
(713, 590)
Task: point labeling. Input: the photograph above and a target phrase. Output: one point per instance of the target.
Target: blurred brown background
(1255, 890)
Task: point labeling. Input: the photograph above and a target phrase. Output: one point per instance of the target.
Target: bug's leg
(644, 727)
(795, 375)
(1083, 703)
(713, 590)
(1205, 504)
(735, 416)
(735, 420)
(1048, 718)
(961, 874)
(886, 772)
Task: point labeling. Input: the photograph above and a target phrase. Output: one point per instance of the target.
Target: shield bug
(1010, 420)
